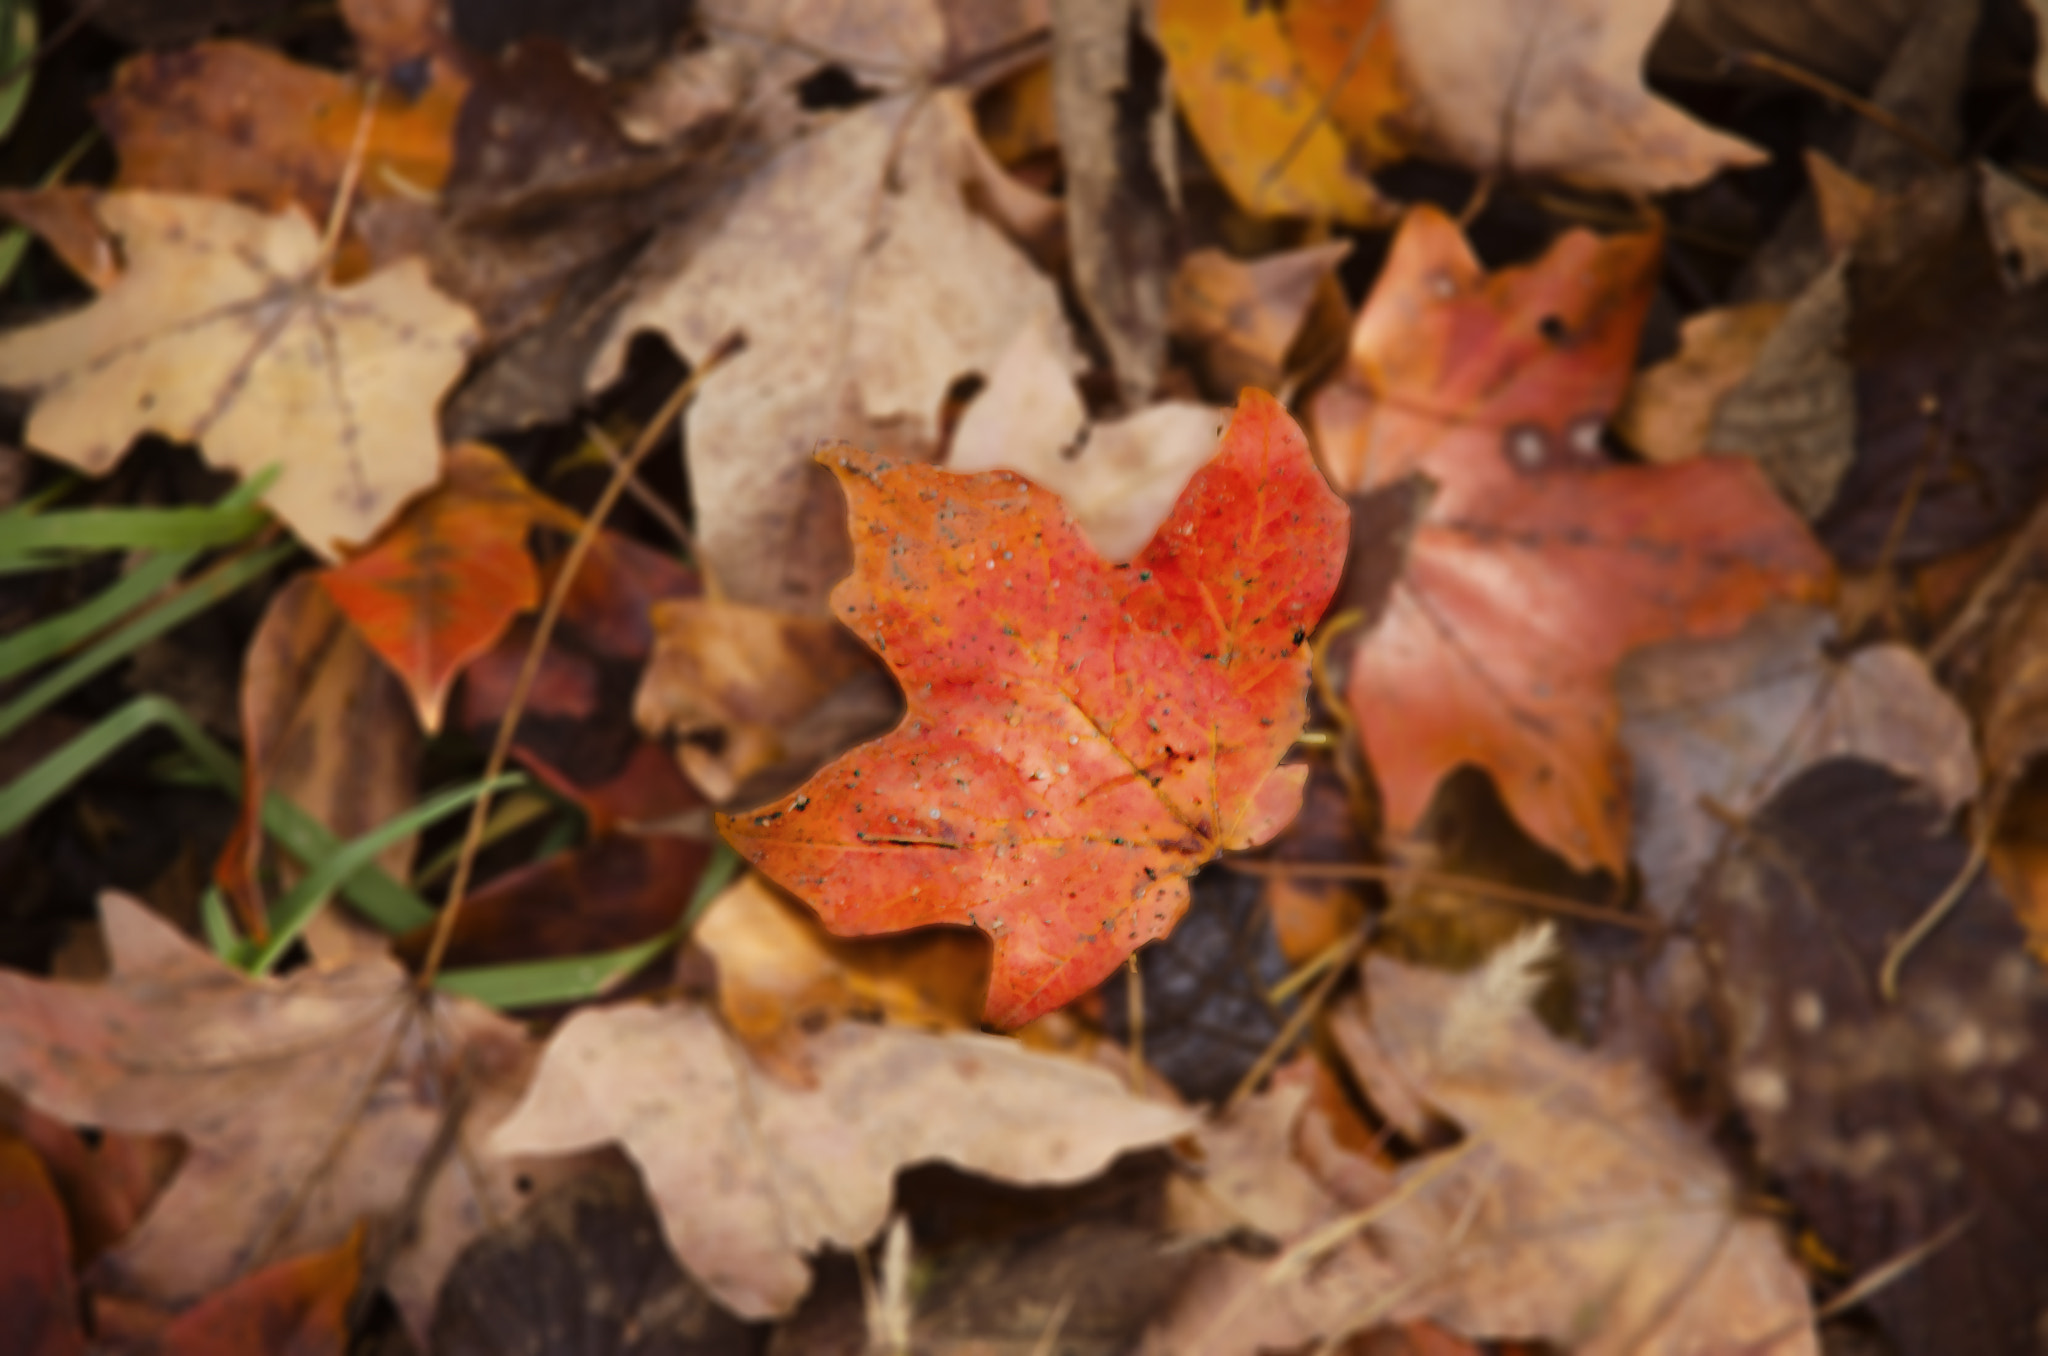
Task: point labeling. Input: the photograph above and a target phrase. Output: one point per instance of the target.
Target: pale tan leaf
(750, 1174)
(221, 330)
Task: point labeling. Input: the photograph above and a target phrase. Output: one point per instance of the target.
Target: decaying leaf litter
(1177, 677)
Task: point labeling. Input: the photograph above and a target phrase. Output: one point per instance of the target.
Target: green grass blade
(309, 896)
(205, 591)
(718, 873)
(21, 798)
(18, 37)
(533, 984)
(127, 529)
(47, 639)
(370, 889)
(217, 925)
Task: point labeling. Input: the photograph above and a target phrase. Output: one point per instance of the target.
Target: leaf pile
(1181, 677)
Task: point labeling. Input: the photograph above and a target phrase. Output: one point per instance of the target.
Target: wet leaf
(1535, 564)
(1091, 733)
(1890, 1121)
(222, 331)
(750, 1175)
(582, 1272)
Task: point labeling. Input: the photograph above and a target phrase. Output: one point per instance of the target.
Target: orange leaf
(233, 120)
(442, 585)
(298, 1306)
(1536, 564)
(1081, 736)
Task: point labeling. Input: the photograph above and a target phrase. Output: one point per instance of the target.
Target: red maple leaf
(1536, 563)
(1081, 735)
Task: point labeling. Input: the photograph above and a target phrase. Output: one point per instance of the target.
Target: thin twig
(1312, 1005)
(1855, 103)
(1937, 912)
(671, 521)
(351, 175)
(1134, 1011)
(1321, 111)
(543, 631)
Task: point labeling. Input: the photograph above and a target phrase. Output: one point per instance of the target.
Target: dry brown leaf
(735, 683)
(2017, 216)
(1669, 408)
(1242, 315)
(1252, 1177)
(222, 331)
(750, 1174)
(866, 286)
(1511, 87)
(1119, 478)
(780, 973)
(1578, 1208)
(1715, 727)
(306, 1103)
(326, 726)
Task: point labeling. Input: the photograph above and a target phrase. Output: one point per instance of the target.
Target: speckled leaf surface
(1081, 735)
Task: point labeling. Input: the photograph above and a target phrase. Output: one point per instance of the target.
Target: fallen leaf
(1121, 186)
(583, 1271)
(305, 1103)
(733, 683)
(1119, 478)
(1578, 1207)
(750, 1175)
(1945, 359)
(1890, 1120)
(577, 733)
(1535, 565)
(1242, 316)
(866, 286)
(2017, 218)
(64, 219)
(615, 891)
(38, 1300)
(1850, 44)
(1207, 1018)
(1794, 411)
(780, 974)
(440, 586)
(1252, 1179)
(1254, 113)
(1715, 727)
(233, 120)
(328, 729)
(222, 331)
(1670, 407)
(1508, 88)
(300, 1306)
(1141, 747)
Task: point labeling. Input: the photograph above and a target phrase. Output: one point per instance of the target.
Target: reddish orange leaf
(440, 587)
(1536, 564)
(1081, 735)
(298, 1306)
(38, 1304)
